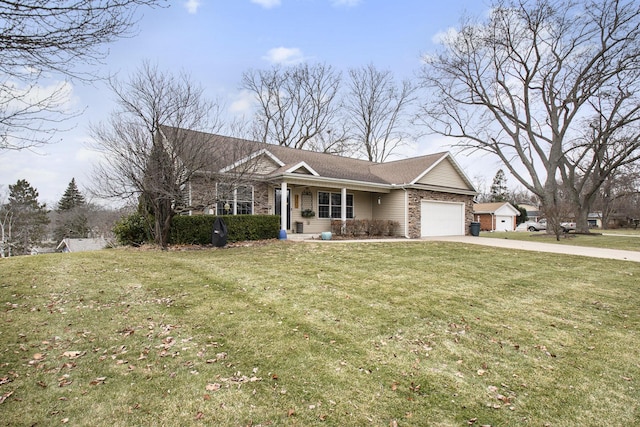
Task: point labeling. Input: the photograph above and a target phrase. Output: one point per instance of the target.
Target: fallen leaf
(213, 387)
(291, 413)
(5, 396)
(99, 380)
(74, 354)
(64, 420)
(199, 415)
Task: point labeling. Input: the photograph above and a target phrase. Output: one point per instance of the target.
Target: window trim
(330, 205)
(233, 202)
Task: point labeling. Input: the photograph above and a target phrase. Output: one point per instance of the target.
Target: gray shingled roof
(227, 150)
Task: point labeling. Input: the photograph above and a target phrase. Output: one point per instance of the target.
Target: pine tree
(499, 187)
(29, 217)
(71, 218)
(72, 198)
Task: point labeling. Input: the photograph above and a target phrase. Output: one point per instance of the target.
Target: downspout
(406, 212)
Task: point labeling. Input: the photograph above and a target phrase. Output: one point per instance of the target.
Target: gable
(444, 174)
(302, 168)
(496, 208)
(260, 163)
(264, 165)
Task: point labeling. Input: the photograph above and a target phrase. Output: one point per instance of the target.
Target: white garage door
(442, 219)
(504, 223)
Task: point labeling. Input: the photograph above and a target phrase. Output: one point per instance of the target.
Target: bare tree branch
(376, 108)
(40, 38)
(521, 85)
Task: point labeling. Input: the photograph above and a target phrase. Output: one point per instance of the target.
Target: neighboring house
(499, 216)
(533, 212)
(82, 245)
(595, 219)
(427, 195)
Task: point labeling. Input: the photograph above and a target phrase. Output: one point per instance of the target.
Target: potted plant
(308, 213)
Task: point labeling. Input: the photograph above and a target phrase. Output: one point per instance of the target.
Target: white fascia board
(252, 156)
(339, 183)
(302, 165)
(441, 189)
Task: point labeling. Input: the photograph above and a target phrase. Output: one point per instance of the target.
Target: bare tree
(521, 84)
(377, 109)
(297, 107)
(619, 195)
(148, 153)
(40, 36)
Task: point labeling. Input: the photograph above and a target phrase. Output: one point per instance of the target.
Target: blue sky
(215, 41)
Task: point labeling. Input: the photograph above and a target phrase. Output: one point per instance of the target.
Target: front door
(278, 209)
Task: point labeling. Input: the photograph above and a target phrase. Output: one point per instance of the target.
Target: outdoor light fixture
(379, 200)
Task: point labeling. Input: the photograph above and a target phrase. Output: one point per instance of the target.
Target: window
(330, 205)
(234, 200)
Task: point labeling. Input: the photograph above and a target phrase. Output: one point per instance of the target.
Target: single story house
(82, 244)
(533, 212)
(427, 195)
(500, 216)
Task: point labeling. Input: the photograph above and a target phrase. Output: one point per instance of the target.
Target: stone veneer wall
(203, 194)
(415, 197)
(261, 205)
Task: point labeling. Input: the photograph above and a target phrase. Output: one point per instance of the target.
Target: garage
(499, 216)
(442, 219)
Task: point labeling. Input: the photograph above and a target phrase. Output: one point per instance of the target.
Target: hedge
(365, 227)
(197, 230)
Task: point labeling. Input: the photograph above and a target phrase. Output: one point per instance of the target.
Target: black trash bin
(219, 233)
(474, 229)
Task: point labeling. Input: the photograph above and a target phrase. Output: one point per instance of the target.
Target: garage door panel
(442, 219)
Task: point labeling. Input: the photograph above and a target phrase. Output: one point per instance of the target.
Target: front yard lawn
(428, 333)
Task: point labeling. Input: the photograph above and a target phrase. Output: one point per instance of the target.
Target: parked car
(568, 226)
(532, 225)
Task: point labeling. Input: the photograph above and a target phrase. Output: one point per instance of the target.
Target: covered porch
(310, 209)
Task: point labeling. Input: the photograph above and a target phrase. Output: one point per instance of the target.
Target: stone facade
(415, 197)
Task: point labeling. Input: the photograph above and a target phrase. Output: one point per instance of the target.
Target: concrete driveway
(543, 247)
(501, 243)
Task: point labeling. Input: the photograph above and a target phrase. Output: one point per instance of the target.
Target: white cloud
(444, 37)
(267, 4)
(284, 55)
(345, 3)
(192, 6)
(242, 103)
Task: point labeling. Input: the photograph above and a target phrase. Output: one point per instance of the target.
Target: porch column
(343, 209)
(283, 206)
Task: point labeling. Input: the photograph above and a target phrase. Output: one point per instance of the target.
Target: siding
(444, 175)
(391, 207)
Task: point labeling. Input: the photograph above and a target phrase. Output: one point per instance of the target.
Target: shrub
(360, 227)
(132, 230)
(197, 229)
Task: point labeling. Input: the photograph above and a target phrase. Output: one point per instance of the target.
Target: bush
(197, 230)
(362, 227)
(132, 230)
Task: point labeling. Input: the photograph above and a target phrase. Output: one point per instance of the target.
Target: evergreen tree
(29, 217)
(71, 218)
(499, 187)
(72, 198)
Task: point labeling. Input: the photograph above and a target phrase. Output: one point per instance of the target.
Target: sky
(215, 41)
